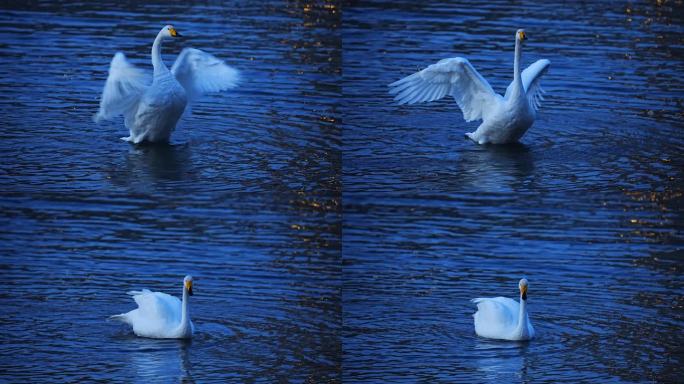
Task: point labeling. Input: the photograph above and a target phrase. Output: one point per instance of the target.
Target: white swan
(159, 315)
(504, 318)
(151, 111)
(504, 119)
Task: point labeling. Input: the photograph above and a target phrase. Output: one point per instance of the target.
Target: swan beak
(523, 292)
(174, 33)
(188, 286)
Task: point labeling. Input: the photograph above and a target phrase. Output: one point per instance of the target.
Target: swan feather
(200, 73)
(454, 77)
(123, 89)
(531, 80)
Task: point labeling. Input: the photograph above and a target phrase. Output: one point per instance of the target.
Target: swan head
(187, 284)
(520, 35)
(523, 288)
(170, 31)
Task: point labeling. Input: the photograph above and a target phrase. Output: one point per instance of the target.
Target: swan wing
(122, 91)
(531, 79)
(157, 309)
(455, 77)
(495, 317)
(200, 73)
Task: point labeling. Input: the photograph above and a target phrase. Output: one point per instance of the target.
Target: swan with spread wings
(504, 119)
(151, 109)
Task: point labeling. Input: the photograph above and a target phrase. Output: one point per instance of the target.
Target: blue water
(333, 235)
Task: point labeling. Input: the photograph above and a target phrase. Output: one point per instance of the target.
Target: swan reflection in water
(487, 168)
(495, 168)
(160, 161)
(145, 165)
(161, 361)
(501, 361)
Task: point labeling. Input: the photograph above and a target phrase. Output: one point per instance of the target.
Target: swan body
(159, 315)
(151, 109)
(504, 318)
(504, 119)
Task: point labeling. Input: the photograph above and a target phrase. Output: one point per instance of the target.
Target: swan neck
(522, 318)
(157, 63)
(185, 309)
(517, 78)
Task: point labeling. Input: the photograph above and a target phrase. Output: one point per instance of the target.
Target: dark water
(296, 281)
(588, 207)
(246, 198)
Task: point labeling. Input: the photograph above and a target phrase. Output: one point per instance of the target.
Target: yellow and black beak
(188, 286)
(174, 32)
(523, 292)
(522, 36)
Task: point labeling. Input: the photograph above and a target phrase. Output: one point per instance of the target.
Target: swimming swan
(159, 315)
(504, 318)
(504, 119)
(151, 111)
